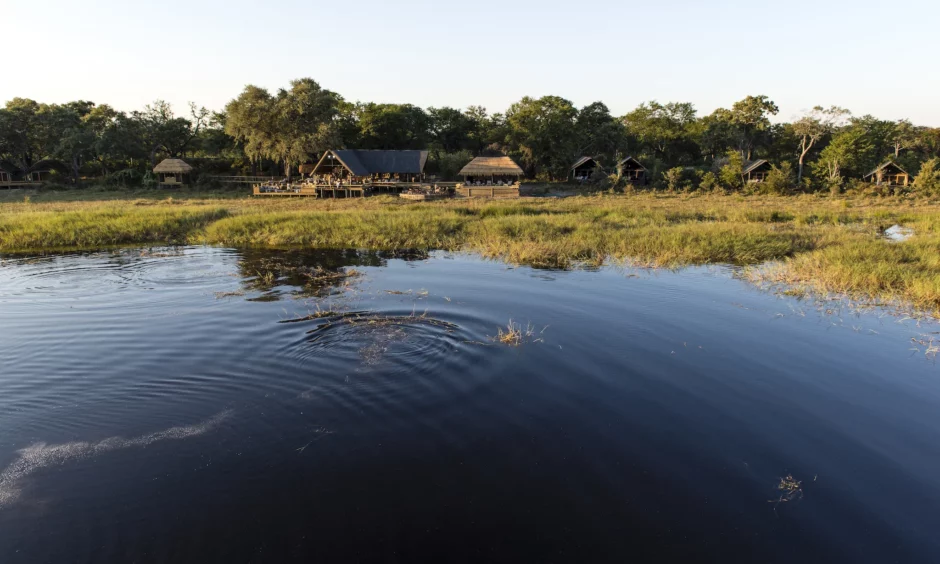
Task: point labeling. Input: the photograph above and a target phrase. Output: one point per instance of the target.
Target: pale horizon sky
(870, 57)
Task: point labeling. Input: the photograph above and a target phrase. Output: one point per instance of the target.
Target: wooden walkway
(19, 184)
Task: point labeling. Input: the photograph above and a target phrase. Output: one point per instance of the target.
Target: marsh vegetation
(818, 243)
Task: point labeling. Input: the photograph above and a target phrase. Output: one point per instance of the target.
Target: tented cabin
(632, 171)
(172, 173)
(391, 171)
(755, 171)
(889, 174)
(584, 169)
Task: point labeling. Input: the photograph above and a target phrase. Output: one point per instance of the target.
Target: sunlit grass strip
(95, 228)
(831, 245)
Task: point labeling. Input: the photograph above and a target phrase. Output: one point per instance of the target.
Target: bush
(674, 178)
(731, 173)
(779, 180)
(124, 178)
(927, 181)
(709, 182)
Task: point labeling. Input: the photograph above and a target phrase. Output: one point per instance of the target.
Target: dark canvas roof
(753, 165)
(584, 160)
(883, 166)
(629, 160)
(364, 163)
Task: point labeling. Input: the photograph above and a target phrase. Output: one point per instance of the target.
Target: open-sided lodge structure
(494, 177)
(755, 171)
(584, 169)
(173, 172)
(890, 174)
(632, 171)
(353, 172)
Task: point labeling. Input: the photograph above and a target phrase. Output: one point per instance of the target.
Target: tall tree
(304, 123)
(542, 131)
(450, 129)
(663, 129)
(250, 121)
(813, 126)
(20, 132)
(750, 116)
(392, 126)
(903, 136)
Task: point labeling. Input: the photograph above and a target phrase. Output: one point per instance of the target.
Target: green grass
(825, 244)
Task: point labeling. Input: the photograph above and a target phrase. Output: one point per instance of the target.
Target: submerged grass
(823, 244)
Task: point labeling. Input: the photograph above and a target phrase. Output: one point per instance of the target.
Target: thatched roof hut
(172, 172)
(491, 166)
(173, 166)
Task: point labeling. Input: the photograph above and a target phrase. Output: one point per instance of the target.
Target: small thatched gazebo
(490, 171)
(173, 172)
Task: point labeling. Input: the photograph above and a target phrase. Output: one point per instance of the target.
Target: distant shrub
(709, 182)
(927, 181)
(730, 173)
(779, 180)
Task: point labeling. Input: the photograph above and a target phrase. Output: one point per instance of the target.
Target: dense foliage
(273, 133)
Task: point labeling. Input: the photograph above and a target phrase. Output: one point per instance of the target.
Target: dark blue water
(154, 407)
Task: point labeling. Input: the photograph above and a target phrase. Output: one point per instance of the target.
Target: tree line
(274, 132)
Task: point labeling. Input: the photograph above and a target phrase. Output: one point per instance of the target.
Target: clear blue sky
(871, 57)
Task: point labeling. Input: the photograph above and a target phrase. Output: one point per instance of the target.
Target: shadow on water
(310, 273)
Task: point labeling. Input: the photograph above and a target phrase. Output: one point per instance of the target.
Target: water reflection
(308, 273)
(679, 416)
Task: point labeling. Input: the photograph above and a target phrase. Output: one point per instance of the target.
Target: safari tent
(889, 173)
(584, 168)
(632, 171)
(755, 171)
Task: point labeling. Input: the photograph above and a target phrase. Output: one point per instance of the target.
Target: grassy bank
(827, 244)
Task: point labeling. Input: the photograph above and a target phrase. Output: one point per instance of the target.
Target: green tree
(250, 120)
(304, 123)
(663, 130)
(845, 154)
(750, 117)
(731, 172)
(813, 126)
(542, 132)
(20, 132)
(599, 133)
(928, 179)
(450, 129)
(392, 126)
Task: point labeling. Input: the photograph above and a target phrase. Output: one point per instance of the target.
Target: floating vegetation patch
(516, 334)
(787, 490)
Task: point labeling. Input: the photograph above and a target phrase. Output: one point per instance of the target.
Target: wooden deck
(488, 191)
(19, 184)
(346, 190)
